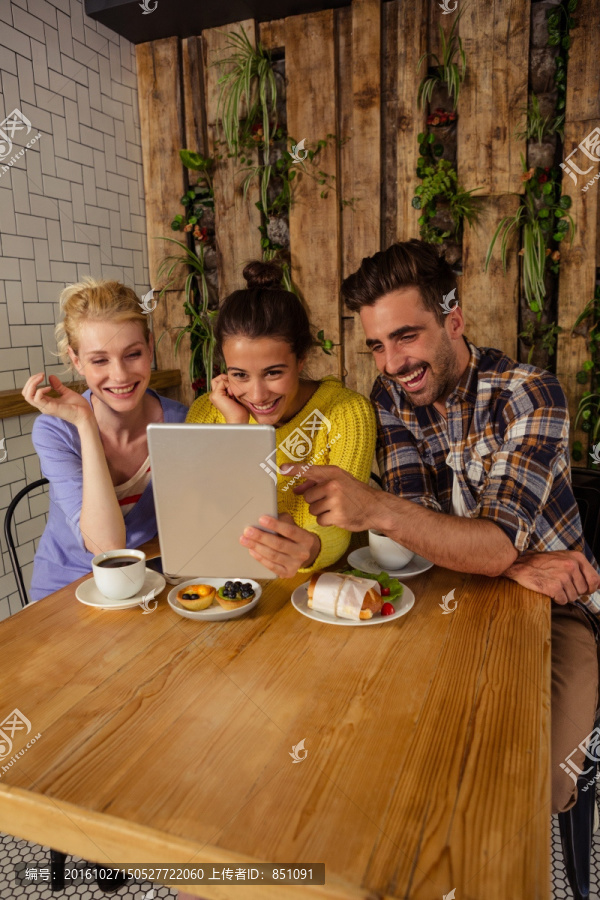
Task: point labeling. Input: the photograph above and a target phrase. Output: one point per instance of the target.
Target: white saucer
(89, 594)
(300, 602)
(362, 559)
(214, 613)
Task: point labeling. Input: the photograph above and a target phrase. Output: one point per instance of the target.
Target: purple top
(61, 556)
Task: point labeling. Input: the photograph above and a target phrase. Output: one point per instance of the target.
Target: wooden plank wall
(353, 72)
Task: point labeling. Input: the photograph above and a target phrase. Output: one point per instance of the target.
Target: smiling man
(473, 454)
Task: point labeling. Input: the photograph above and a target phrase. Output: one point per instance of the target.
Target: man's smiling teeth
(126, 390)
(412, 375)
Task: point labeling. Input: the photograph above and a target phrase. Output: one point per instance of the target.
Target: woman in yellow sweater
(263, 335)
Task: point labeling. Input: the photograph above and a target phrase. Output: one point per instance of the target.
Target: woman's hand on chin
(70, 405)
(222, 398)
(289, 549)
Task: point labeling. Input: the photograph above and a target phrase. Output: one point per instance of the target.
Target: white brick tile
(61, 85)
(21, 3)
(112, 108)
(73, 69)
(69, 170)
(7, 381)
(49, 100)
(32, 464)
(6, 13)
(90, 137)
(15, 40)
(83, 104)
(28, 284)
(17, 246)
(33, 160)
(139, 269)
(39, 118)
(64, 33)
(52, 47)
(89, 185)
(77, 20)
(112, 36)
(8, 60)
(67, 232)
(77, 152)
(28, 24)
(110, 156)
(120, 140)
(25, 335)
(39, 505)
(40, 63)
(85, 56)
(79, 210)
(86, 234)
(57, 187)
(95, 261)
(129, 79)
(124, 214)
(49, 292)
(9, 268)
(130, 129)
(94, 88)
(4, 332)
(46, 207)
(38, 314)
(122, 93)
(100, 169)
(48, 159)
(43, 11)
(26, 88)
(49, 343)
(104, 70)
(61, 4)
(95, 41)
(62, 271)
(122, 258)
(59, 136)
(34, 226)
(54, 244)
(103, 123)
(134, 201)
(21, 376)
(10, 89)
(115, 62)
(29, 530)
(133, 153)
(126, 168)
(131, 241)
(115, 229)
(42, 263)
(75, 252)
(117, 184)
(12, 359)
(97, 216)
(7, 212)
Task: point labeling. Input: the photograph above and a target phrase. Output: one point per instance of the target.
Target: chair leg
(57, 870)
(576, 833)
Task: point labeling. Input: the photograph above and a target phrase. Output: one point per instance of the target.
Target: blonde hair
(94, 298)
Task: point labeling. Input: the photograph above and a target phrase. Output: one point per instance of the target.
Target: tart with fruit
(234, 594)
(196, 596)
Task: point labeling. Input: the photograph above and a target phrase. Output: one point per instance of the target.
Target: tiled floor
(13, 851)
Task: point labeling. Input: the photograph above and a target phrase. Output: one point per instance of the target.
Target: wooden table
(167, 741)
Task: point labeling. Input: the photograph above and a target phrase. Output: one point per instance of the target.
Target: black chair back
(10, 542)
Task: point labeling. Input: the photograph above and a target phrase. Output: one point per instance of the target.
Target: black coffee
(116, 562)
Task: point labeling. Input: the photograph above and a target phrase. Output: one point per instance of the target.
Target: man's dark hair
(405, 264)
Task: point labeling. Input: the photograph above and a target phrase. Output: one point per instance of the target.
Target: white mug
(387, 553)
(120, 582)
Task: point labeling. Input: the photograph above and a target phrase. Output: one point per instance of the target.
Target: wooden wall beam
(236, 219)
(578, 264)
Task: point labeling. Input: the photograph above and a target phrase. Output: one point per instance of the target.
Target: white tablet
(210, 482)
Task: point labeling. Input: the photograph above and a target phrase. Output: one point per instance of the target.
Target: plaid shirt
(506, 443)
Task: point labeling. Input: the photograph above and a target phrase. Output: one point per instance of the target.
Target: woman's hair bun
(259, 274)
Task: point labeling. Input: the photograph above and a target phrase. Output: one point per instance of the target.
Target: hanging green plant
(199, 200)
(588, 411)
(541, 226)
(451, 71)
(536, 125)
(560, 23)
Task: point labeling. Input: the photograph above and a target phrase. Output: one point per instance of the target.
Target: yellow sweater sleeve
(351, 443)
(202, 412)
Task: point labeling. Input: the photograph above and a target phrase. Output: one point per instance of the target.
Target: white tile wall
(71, 205)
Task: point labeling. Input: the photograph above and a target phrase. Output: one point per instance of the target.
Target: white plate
(300, 601)
(89, 594)
(214, 613)
(362, 559)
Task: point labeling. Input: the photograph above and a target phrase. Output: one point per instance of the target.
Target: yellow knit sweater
(342, 435)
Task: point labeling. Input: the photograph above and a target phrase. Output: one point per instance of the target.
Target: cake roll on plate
(344, 596)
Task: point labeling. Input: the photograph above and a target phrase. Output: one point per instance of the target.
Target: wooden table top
(168, 741)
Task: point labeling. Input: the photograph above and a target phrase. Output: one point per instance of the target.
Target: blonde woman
(92, 446)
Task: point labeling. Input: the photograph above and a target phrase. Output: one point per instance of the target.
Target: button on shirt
(502, 454)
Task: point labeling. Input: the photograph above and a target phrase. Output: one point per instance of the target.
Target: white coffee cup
(387, 553)
(119, 582)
